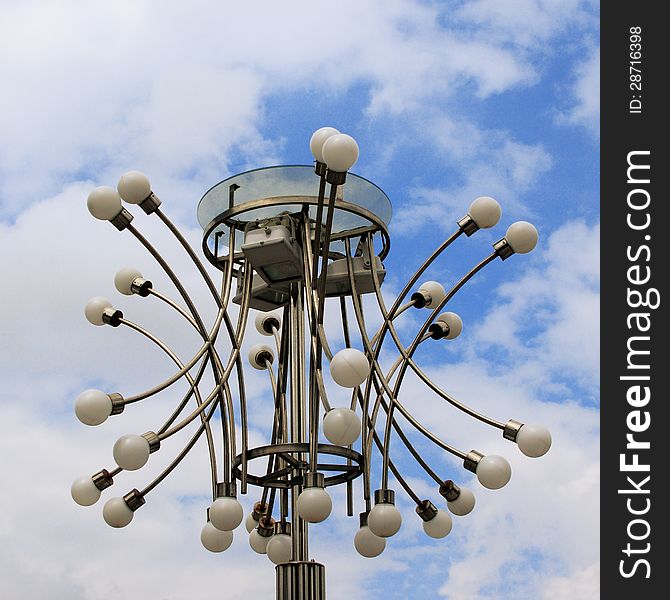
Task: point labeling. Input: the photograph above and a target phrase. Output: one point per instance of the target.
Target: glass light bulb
(464, 504)
(214, 539)
(259, 543)
(254, 352)
(439, 526)
(262, 317)
(123, 280)
(454, 322)
(340, 152)
(341, 426)
(84, 492)
(318, 139)
(522, 237)
(349, 368)
(533, 440)
(368, 544)
(493, 471)
(104, 203)
(131, 452)
(226, 513)
(485, 211)
(250, 523)
(436, 292)
(279, 548)
(95, 308)
(93, 407)
(134, 187)
(116, 513)
(314, 504)
(384, 520)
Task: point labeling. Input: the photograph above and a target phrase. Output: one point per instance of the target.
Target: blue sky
(448, 101)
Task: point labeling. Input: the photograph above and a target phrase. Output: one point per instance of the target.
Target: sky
(448, 101)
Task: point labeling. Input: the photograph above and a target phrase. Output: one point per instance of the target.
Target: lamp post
(285, 239)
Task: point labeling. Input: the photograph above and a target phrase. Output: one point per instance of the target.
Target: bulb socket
(282, 527)
(467, 225)
(153, 439)
(420, 299)
(314, 479)
(263, 357)
(260, 509)
(270, 324)
(335, 177)
(503, 249)
(266, 526)
(472, 460)
(141, 287)
(363, 518)
(439, 330)
(320, 168)
(426, 510)
(122, 220)
(118, 403)
(226, 490)
(134, 499)
(112, 317)
(384, 497)
(150, 203)
(102, 479)
(449, 491)
(512, 430)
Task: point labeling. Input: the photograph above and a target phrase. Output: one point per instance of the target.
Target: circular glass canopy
(264, 193)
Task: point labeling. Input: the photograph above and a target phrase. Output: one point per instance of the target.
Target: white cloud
(585, 110)
(492, 164)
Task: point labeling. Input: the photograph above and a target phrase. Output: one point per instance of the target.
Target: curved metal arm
(412, 349)
(208, 431)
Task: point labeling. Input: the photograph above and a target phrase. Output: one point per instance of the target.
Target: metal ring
(349, 472)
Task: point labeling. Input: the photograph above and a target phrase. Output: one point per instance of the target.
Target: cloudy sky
(448, 101)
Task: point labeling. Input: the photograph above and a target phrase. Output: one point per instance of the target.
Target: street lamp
(291, 240)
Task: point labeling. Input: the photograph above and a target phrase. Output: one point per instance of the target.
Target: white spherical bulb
(226, 513)
(349, 368)
(436, 292)
(454, 322)
(318, 139)
(116, 513)
(485, 211)
(464, 504)
(123, 280)
(384, 520)
(341, 426)
(340, 152)
(368, 544)
(258, 543)
(95, 308)
(134, 187)
(533, 440)
(250, 523)
(260, 349)
(493, 471)
(92, 407)
(522, 237)
(131, 452)
(104, 203)
(214, 539)
(279, 548)
(439, 526)
(314, 504)
(84, 492)
(261, 319)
